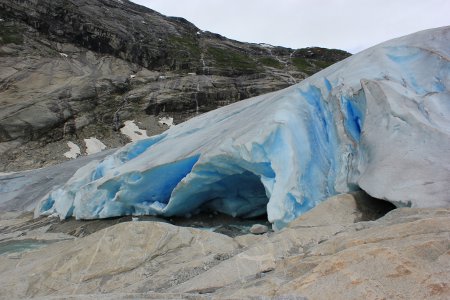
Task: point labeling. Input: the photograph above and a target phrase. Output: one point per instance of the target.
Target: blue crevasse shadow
(47, 205)
(328, 84)
(141, 192)
(354, 108)
(320, 172)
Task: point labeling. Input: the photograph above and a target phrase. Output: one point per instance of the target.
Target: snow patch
(74, 151)
(168, 121)
(93, 145)
(133, 132)
(266, 45)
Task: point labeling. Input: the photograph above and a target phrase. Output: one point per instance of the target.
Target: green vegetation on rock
(310, 66)
(238, 62)
(271, 62)
(185, 43)
(303, 65)
(322, 64)
(184, 50)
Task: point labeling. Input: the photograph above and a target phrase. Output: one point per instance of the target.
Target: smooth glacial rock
(377, 121)
(131, 257)
(403, 255)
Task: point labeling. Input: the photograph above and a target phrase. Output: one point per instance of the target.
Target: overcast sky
(352, 25)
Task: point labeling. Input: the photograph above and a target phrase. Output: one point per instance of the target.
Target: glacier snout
(379, 121)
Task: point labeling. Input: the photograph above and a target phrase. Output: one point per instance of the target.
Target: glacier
(378, 121)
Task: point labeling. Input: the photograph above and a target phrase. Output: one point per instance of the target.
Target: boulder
(259, 229)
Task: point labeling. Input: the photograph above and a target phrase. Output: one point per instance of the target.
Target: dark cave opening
(371, 208)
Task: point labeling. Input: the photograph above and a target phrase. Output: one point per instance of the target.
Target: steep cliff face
(75, 69)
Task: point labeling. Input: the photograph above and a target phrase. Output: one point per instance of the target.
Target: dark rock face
(74, 69)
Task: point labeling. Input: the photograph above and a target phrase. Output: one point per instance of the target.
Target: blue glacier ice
(377, 121)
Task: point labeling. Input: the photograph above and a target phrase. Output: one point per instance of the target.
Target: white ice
(377, 121)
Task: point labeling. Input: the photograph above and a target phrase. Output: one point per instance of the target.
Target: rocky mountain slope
(71, 70)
